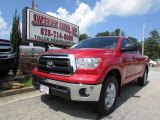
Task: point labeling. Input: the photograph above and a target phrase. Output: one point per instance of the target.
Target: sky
(92, 16)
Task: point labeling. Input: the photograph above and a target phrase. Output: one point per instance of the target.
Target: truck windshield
(103, 42)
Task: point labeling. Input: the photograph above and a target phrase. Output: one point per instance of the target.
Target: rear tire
(143, 80)
(108, 97)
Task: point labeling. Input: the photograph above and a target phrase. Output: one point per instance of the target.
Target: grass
(27, 82)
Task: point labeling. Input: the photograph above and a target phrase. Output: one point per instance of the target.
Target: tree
(123, 33)
(112, 34)
(107, 33)
(99, 34)
(83, 36)
(152, 45)
(117, 32)
(15, 37)
(155, 36)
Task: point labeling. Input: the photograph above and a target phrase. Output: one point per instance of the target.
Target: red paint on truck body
(130, 65)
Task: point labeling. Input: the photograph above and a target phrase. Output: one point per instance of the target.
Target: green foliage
(152, 45)
(27, 82)
(112, 34)
(83, 36)
(116, 32)
(155, 36)
(15, 37)
(107, 33)
(123, 33)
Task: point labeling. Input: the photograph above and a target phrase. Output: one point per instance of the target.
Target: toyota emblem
(50, 64)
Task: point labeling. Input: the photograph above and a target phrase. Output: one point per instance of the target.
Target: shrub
(27, 63)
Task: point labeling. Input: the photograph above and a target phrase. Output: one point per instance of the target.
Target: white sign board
(40, 27)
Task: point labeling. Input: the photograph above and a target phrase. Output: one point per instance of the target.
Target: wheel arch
(117, 74)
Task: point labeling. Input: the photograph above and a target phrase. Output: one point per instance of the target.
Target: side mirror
(129, 47)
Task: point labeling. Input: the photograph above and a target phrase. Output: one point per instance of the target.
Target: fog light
(85, 92)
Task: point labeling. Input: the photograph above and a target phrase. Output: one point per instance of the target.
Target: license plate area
(44, 89)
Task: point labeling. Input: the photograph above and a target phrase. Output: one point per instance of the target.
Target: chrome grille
(5, 47)
(56, 64)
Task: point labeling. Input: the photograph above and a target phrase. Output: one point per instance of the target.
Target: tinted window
(124, 43)
(104, 42)
(131, 42)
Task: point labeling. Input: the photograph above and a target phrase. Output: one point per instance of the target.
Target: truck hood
(83, 52)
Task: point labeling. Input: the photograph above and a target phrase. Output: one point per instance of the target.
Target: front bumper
(69, 91)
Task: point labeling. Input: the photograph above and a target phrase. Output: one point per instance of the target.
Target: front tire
(143, 80)
(108, 96)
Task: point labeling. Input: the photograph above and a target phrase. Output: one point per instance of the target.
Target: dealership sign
(40, 27)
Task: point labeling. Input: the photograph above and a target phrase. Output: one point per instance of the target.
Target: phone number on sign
(55, 34)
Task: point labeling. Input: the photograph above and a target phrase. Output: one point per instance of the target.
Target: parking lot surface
(135, 103)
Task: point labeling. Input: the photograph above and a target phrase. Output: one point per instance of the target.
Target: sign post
(41, 27)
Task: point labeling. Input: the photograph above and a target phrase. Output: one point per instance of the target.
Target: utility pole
(34, 7)
(33, 4)
(143, 38)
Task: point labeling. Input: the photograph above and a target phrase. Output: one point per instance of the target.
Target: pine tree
(15, 37)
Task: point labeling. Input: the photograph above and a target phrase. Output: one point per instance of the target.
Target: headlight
(87, 63)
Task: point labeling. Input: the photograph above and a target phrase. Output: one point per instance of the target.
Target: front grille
(5, 47)
(57, 64)
(5, 50)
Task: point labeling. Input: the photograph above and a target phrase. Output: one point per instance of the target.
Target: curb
(16, 91)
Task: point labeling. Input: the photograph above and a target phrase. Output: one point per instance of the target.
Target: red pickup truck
(95, 69)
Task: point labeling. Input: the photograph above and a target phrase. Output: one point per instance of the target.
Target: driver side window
(124, 43)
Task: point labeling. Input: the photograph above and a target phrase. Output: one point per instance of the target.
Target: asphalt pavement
(135, 103)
